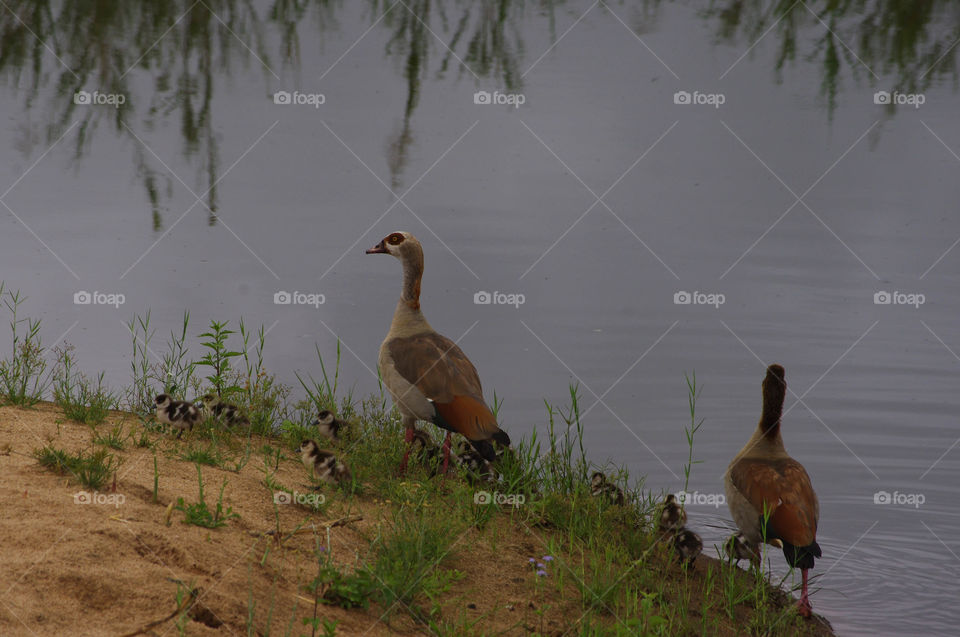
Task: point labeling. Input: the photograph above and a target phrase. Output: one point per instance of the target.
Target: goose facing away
(427, 374)
(769, 493)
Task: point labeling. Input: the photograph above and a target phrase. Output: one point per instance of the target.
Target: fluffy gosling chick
(601, 487)
(672, 516)
(226, 413)
(179, 414)
(478, 468)
(425, 449)
(737, 548)
(329, 425)
(323, 464)
(688, 546)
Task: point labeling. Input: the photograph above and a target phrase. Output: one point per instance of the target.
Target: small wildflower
(541, 566)
(532, 561)
(547, 558)
(541, 573)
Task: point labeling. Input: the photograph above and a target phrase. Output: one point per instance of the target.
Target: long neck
(407, 318)
(770, 417)
(412, 274)
(763, 445)
(766, 441)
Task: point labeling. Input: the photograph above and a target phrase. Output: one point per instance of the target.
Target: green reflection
(895, 45)
(166, 57)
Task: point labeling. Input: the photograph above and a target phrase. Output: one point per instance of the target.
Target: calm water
(599, 198)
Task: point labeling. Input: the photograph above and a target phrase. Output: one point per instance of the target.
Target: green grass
(199, 514)
(113, 438)
(92, 469)
(24, 377)
(210, 456)
(609, 562)
(81, 399)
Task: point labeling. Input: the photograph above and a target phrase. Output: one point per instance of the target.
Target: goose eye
(395, 239)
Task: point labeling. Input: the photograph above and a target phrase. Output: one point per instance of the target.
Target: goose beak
(378, 249)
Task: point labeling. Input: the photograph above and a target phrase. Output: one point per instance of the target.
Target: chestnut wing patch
(438, 368)
(783, 489)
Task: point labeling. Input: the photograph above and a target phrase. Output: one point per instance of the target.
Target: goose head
(402, 245)
(163, 401)
(405, 247)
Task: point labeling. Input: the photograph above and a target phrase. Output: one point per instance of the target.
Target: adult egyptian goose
(428, 376)
(769, 493)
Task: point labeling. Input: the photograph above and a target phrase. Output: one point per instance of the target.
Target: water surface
(598, 199)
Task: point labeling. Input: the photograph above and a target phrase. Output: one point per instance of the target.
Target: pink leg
(446, 453)
(408, 438)
(803, 606)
